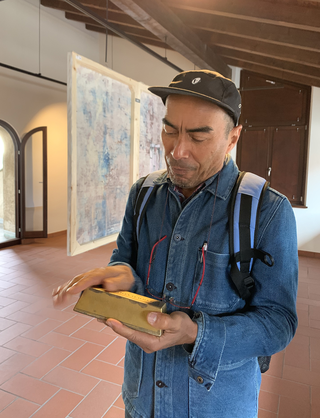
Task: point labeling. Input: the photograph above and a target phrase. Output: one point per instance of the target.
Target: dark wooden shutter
(274, 139)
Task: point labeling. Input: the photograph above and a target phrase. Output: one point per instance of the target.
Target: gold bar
(129, 308)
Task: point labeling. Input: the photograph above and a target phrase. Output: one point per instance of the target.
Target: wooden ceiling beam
(113, 16)
(124, 26)
(93, 4)
(292, 67)
(138, 37)
(288, 53)
(274, 72)
(162, 22)
(256, 31)
(285, 15)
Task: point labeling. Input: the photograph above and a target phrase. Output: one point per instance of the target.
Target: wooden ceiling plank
(292, 67)
(162, 22)
(113, 17)
(251, 30)
(85, 19)
(274, 72)
(232, 51)
(289, 53)
(93, 4)
(137, 37)
(295, 16)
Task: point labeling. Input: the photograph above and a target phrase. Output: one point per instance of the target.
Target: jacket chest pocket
(216, 293)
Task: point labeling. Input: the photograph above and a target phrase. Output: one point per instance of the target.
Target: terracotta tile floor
(59, 364)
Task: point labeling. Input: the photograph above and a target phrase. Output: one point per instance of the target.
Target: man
(205, 363)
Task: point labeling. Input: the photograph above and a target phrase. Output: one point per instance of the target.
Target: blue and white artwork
(151, 155)
(103, 127)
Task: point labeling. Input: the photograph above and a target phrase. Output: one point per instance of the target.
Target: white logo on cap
(196, 80)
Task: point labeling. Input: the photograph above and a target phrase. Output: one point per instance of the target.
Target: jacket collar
(227, 179)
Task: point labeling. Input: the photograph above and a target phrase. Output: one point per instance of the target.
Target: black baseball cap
(207, 85)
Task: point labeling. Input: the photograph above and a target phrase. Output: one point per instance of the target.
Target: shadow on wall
(312, 245)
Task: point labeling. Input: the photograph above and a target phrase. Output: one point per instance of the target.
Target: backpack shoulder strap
(146, 191)
(244, 221)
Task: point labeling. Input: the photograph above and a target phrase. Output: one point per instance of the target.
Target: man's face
(196, 140)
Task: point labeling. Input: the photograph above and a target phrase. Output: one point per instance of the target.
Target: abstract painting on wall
(100, 138)
(152, 110)
(114, 137)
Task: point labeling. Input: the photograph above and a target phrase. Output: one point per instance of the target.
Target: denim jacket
(219, 376)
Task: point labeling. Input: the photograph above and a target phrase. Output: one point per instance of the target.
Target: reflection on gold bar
(129, 308)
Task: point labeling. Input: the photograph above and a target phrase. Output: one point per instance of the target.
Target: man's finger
(160, 320)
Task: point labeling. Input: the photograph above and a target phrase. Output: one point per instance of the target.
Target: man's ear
(233, 138)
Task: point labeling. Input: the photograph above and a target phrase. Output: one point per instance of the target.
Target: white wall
(308, 220)
(27, 102)
(31, 102)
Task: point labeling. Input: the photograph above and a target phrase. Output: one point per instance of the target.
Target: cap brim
(164, 92)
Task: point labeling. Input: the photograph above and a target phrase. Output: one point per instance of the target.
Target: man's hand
(113, 279)
(178, 329)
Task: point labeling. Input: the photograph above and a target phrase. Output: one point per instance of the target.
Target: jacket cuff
(205, 357)
(138, 285)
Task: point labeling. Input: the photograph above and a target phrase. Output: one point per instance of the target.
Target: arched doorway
(10, 233)
(23, 185)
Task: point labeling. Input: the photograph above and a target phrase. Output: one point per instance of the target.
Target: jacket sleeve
(228, 341)
(125, 252)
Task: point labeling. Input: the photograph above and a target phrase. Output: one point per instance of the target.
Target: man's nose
(181, 147)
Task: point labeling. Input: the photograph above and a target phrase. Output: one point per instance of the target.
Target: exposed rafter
(162, 22)
(279, 38)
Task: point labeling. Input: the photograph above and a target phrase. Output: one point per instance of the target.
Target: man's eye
(168, 132)
(197, 140)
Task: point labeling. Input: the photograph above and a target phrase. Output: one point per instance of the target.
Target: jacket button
(199, 380)
(160, 384)
(170, 286)
(177, 237)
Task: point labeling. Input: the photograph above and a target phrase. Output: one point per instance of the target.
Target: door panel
(253, 151)
(9, 185)
(287, 162)
(34, 184)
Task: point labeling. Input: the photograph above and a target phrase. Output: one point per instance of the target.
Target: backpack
(245, 207)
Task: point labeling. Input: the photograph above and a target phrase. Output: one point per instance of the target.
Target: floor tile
(5, 323)
(13, 365)
(44, 364)
(25, 318)
(6, 353)
(82, 357)
(5, 399)
(114, 412)
(29, 388)
(59, 406)
(98, 401)
(26, 346)
(104, 371)
(95, 337)
(72, 325)
(301, 375)
(286, 388)
(12, 308)
(71, 380)
(62, 341)
(19, 408)
(298, 355)
(119, 403)
(293, 408)
(266, 414)
(114, 352)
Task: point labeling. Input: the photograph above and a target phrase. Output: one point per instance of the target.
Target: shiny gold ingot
(129, 308)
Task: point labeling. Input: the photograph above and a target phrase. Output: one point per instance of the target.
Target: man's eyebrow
(166, 122)
(205, 129)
